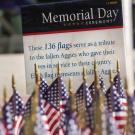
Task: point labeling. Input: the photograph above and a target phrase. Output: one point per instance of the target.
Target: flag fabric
(104, 113)
(73, 128)
(53, 94)
(120, 89)
(28, 109)
(119, 113)
(42, 96)
(19, 122)
(72, 123)
(111, 125)
(40, 126)
(92, 89)
(43, 90)
(122, 98)
(109, 98)
(58, 96)
(12, 112)
(3, 130)
(64, 96)
(80, 101)
(17, 104)
(8, 118)
(83, 96)
(102, 84)
(84, 101)
(89, 107)
(56, 117)
(52, 118)
(90, 110)
(18, 111)
(133, 114)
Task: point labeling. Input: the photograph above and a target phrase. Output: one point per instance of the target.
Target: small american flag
(109, 98)
(120, 89)
(84, 101)
(58, 96)
(112, 128)
(83, 96)
(42, 96)
(92, 89)
(53, 94)
(89, 107)
(13, 112)
(52, 118)
(43, 89)
(28, 108)
(119, 113)
(122, 97)
(102, 86)
(18, 110)
(17, 104)
(80, 99)
(8, 117)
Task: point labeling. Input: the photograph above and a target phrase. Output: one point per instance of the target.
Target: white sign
(74, 38)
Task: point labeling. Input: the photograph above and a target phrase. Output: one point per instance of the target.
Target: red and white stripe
(52, 118)
(124, 103)
(62, 105)
(18, 124)
(121, 120)
(86, 131)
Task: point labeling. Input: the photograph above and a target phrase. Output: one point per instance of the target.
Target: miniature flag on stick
(120, 101)
(120, 87)
(18, 108)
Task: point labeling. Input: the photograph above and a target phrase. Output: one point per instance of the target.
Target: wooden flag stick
(58, 69)
(111, 77)
(97, 86)
(126, 86)
(37, 74)
(70, 86)
(13, 82)
(84, 74)
(5, 95)
(35, 99)
(118, 66)
(35, 103)
(129, 127)
(97, 103)
(14, 91)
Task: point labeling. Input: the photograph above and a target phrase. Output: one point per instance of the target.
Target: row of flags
(54, 110)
